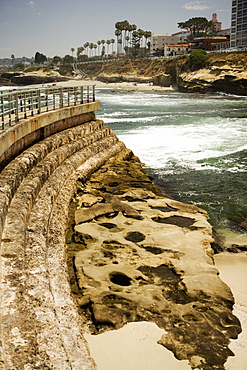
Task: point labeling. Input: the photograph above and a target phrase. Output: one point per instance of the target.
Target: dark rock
(164, 80)
(32, 80)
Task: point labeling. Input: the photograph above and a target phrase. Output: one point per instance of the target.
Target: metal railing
(19, 104)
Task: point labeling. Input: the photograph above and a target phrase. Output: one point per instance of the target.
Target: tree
(56, 59)
(68, 59)
(72, 51)
(118, 34)
(80, 50)
(147, 35)
(19, 66)
(112, 42)
(99, 43)
(13, 58)
(136, 43)
(108, 43)
(91, 46)
(40, 58)
(197, 59)
(95, 47)
(198, 26)
(86, 45)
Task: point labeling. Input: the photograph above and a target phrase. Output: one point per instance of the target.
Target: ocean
(194, 145)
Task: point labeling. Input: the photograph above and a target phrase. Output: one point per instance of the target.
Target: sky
(53, 27)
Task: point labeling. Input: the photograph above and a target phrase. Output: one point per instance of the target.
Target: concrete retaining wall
(15, 139)
(39, 323)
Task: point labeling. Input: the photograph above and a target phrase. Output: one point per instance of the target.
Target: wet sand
(133, 347)
(233, 271)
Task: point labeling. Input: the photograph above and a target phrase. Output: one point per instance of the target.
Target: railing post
(61, 97)
(10, 100)
(32, 107)
(25, 105)
(68, 95)
(39, 101)
(82, 100)
(93, 93)
(2, 112)
(54, 98)
(88, 100)
(16, 108)
(47, 100)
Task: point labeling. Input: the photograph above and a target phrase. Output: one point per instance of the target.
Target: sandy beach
(114, 86)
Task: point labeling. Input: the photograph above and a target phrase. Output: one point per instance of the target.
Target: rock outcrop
(31, 78)
(119, 77)
(227, 79)
(135, 255)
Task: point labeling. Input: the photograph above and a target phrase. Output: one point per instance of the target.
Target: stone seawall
(15, 139)
(39, 322)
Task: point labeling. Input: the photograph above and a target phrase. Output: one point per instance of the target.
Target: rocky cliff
(227, 79)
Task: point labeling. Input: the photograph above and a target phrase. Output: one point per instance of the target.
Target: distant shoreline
(118, 85)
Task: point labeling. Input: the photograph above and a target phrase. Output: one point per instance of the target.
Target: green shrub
(197, 59)
(66, 70)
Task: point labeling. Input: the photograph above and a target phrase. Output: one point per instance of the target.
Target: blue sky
(53, 27)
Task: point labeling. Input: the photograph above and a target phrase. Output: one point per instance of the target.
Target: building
(172, 50)
(216, 23)
(159, 40)
(207, 43)
(239, 24)
(182, 35)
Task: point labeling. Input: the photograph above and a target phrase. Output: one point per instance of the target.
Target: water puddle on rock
(133, 347)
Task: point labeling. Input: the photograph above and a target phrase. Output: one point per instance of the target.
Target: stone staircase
(39, 322)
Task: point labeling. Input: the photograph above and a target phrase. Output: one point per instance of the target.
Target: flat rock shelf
(135, 255)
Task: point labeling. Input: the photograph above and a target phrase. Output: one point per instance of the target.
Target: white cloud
(195, 5)
(31, 4)
(223, 10)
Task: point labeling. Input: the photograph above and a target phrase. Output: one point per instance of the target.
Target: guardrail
(20, 104)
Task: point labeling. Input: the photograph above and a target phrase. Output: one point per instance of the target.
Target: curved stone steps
(40, 320)
(12, 175)
(32, 184)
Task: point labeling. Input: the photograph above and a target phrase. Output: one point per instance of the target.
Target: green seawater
(194, 145)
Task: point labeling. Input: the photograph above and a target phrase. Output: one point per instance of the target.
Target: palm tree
(108, 43)
(112, 42)
(95, 47)
(91, 46)
(13, 58)
(72, 51)
(103, 43)
(125, 25)
(147, 35)
(120, 41)
(86, 45)
(99, 43)
(127, 38)
(118, 33)
(80, 49)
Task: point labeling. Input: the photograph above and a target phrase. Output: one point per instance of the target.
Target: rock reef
(136, 255)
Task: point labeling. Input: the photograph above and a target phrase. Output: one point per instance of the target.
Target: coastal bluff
(89, 243)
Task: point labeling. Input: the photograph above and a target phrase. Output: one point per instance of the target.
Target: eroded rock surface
(135, 255)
